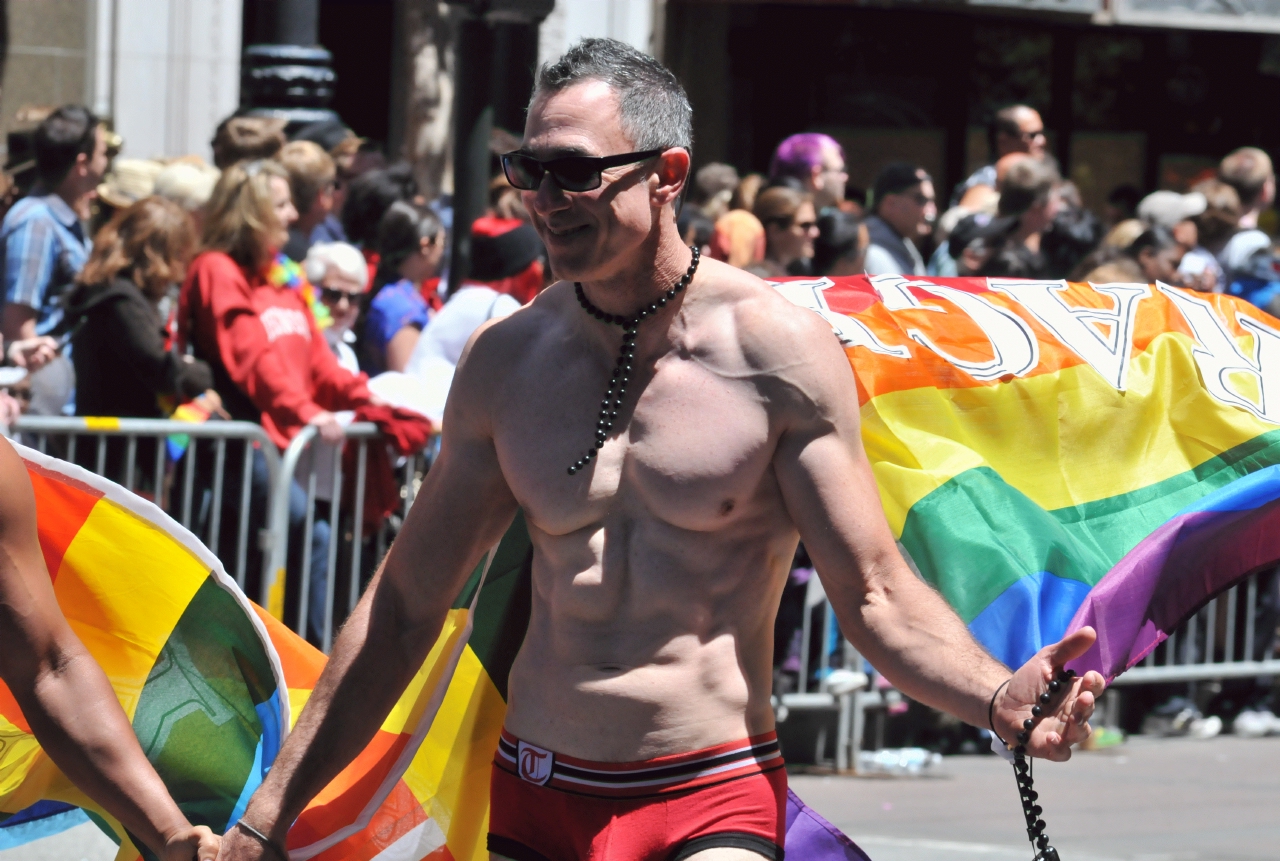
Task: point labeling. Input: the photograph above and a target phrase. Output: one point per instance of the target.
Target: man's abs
(632, 655)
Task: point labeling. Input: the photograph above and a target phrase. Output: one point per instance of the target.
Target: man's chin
(572, 264)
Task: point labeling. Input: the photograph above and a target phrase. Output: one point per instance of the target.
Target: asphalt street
(1147, 800)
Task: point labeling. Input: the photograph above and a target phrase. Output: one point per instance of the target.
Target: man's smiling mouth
(562, 232)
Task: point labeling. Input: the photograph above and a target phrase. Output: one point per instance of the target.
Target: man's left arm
(894, 618)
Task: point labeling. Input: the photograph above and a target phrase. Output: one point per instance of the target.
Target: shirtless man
(64, 694)
(659, 562)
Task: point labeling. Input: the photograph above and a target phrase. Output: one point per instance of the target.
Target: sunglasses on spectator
(334, 295)
(570, 173)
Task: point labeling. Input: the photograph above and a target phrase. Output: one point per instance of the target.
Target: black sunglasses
(333, 296)
(571, 172)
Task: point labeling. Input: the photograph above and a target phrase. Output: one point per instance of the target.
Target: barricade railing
(814, 691)
(1230, 638)
(117, 447)
(304, 463)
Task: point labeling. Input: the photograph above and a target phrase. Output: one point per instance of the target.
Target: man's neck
(1249, 220)
(653, 273)
(903, 236)
(73, 196)
(310, 221)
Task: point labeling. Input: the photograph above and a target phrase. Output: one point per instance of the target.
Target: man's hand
(191, 844)
(331, 430)
(1066, 716)
(32, 353)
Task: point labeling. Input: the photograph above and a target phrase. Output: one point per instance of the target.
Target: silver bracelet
(263, 839)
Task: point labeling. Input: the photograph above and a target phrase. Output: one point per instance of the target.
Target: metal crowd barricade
(273, 597)
(1221, 641)
(61, 436)
(849, 702)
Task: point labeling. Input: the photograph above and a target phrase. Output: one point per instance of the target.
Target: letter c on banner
(1014, 345)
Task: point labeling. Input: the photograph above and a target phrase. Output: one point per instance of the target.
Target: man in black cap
(905, 208)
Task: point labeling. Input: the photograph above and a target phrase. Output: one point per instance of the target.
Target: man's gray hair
(654, 109)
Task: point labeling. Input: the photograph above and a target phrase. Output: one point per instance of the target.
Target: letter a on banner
(1074, 327)
(1016, 351)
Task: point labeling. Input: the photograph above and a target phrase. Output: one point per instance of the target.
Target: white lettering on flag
(894, 294)
(1219, 356)
(1013, 343)
(1074, 327)
(851, 332)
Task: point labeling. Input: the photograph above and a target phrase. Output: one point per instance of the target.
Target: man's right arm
(462, 509)
(28, 268)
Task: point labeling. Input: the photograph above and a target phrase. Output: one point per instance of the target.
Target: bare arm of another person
(463, 507)
(400, 347)
(894, 618)
(64, 694)
(19, 322)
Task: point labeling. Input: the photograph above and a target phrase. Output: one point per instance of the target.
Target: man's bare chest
(691, 444)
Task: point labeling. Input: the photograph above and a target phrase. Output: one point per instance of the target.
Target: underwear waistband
(666, 774)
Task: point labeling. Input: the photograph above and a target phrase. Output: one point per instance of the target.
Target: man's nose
(549, 197)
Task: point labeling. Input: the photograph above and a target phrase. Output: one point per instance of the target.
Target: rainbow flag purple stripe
(1206, 548)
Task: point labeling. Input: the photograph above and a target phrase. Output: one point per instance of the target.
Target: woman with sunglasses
(340, 275)
(790, 227)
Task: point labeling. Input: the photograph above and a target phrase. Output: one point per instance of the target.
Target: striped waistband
(666, 774)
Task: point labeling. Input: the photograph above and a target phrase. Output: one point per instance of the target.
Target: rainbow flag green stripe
(973, 567)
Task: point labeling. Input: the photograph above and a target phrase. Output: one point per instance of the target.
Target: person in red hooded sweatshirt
(270, 362)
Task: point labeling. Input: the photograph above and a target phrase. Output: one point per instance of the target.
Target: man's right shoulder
(511, 338)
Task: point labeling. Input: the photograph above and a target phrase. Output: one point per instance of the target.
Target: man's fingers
(1072, 646)
(1082, 708)
(207, 845)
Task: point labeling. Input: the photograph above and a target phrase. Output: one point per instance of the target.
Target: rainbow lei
(283, 272)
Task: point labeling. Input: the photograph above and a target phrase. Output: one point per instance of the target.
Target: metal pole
(473, 124)
(298, 22)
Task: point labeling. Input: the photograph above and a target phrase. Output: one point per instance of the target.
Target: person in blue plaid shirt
(45, 245)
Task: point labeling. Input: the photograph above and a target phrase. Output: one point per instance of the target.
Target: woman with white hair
(340, 275)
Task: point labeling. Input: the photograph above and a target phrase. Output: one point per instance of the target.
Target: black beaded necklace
(1022, 766)
(622, 368)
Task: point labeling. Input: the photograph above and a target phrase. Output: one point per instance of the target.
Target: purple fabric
(812, 838)
(1173, 572)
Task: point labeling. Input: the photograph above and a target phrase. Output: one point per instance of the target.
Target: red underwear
(545, 806)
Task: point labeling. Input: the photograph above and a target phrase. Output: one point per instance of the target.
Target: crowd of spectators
(295, 280)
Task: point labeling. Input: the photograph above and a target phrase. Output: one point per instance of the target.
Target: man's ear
(672, 174)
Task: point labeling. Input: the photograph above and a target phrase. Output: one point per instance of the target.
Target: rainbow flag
(190, 662)
(1035, 440)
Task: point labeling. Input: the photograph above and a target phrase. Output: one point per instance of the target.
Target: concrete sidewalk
(1147, 800)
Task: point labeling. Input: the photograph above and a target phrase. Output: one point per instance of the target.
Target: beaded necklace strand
(1022, 766)
(622, 367)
